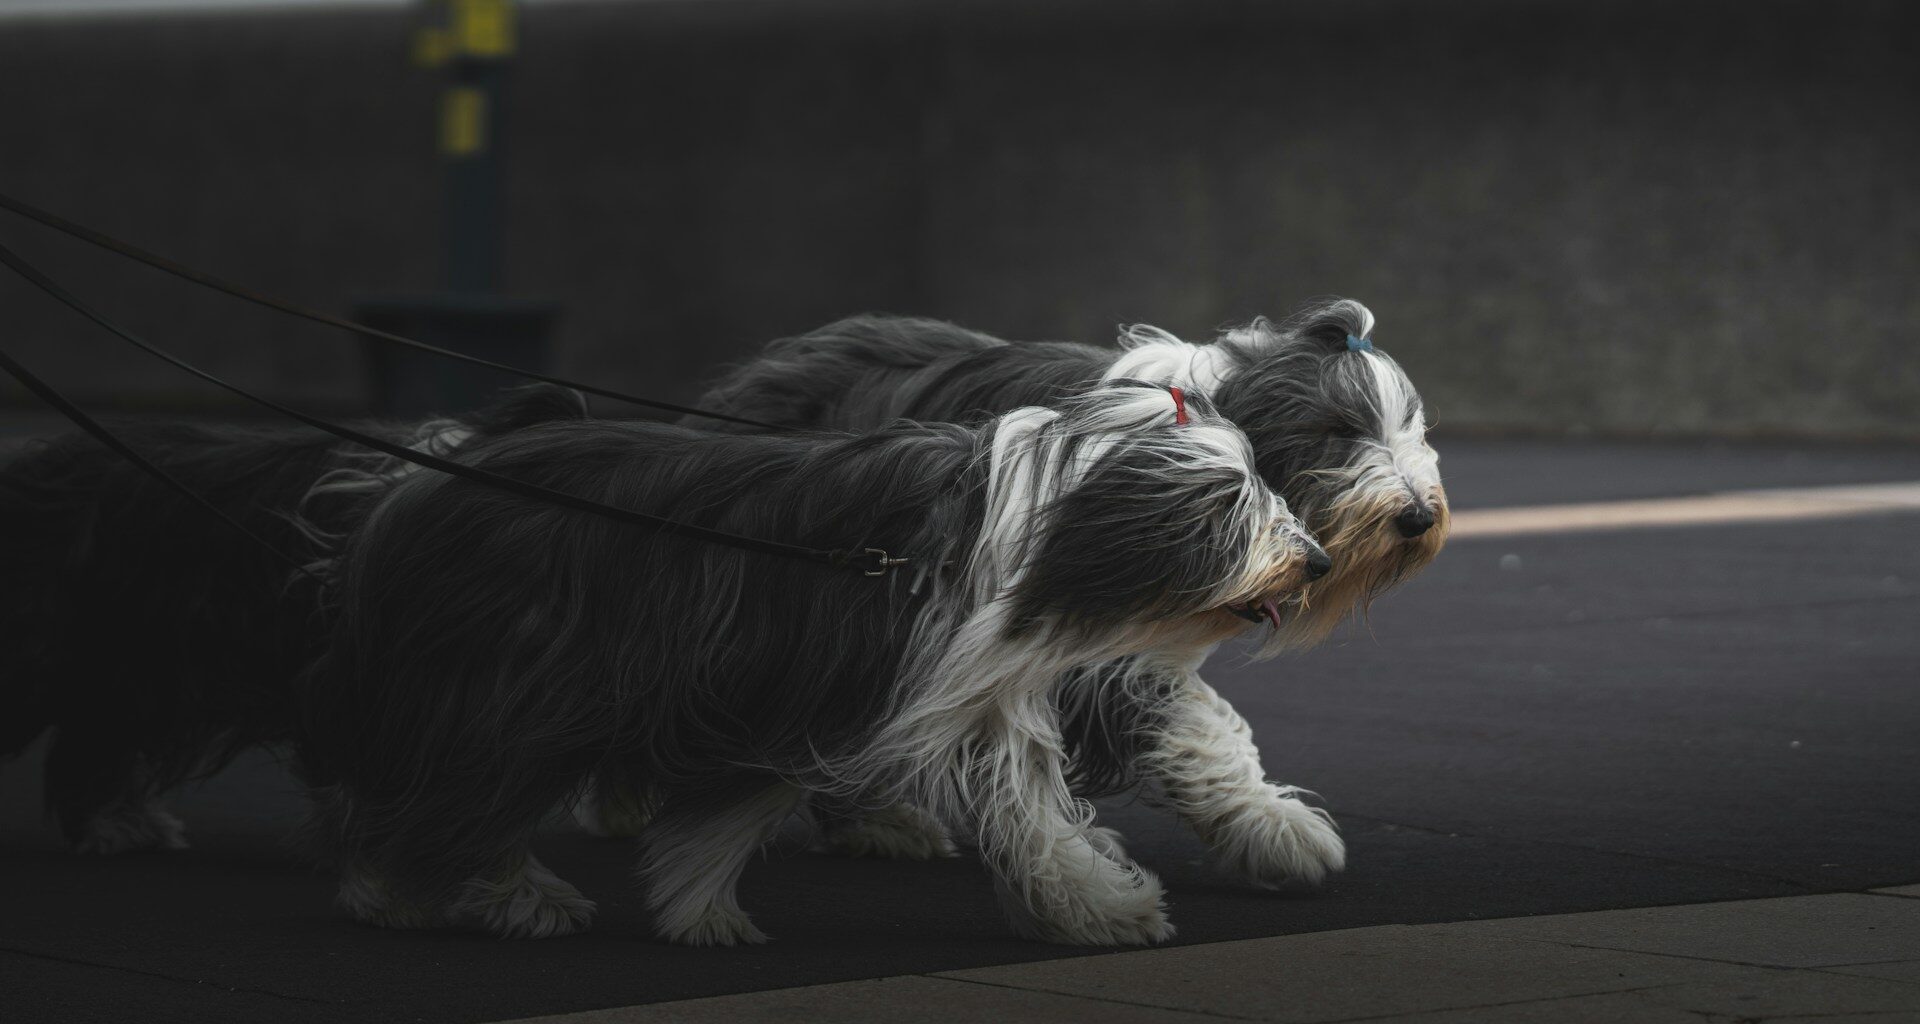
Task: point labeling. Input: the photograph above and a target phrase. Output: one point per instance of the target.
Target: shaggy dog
(493, 652)
(1336, 427)
(157, 642)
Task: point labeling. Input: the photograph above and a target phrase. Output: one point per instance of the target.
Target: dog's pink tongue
(1272, 609)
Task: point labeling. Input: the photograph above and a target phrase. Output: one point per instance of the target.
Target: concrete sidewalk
(1805, 958)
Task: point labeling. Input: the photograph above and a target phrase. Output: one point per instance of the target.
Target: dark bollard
(404, 383)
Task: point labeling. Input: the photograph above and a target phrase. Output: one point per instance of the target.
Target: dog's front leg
(695, 850)
(1197, 755)
(1060, 878)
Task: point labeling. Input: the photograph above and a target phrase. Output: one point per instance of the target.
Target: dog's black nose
(1318, 564)
(1416, 520)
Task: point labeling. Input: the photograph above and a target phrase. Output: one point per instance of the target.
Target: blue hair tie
(1359, 344)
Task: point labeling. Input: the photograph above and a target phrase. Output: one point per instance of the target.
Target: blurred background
(1621, 219)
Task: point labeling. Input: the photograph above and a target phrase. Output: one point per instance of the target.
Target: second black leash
(868, 561)
(206, 280)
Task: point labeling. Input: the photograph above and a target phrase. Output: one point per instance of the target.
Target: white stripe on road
(1700, 510)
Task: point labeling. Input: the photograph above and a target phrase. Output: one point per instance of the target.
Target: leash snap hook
(882, 562)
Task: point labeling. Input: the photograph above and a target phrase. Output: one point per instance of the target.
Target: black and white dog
(493, 653)
(1336, 427)
(156, 641)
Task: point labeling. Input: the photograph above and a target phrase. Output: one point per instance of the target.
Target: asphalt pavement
(1542, 724)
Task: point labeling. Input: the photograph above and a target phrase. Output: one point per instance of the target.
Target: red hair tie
(1179, 406)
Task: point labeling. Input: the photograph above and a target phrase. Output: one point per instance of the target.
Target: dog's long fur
(1335, 426)
(1340, 433)
(153, 639)
(492, 654)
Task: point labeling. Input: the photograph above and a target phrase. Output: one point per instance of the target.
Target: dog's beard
(1370, 557)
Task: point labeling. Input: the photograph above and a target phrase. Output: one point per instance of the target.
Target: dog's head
(1133, 512)
(1336, 424)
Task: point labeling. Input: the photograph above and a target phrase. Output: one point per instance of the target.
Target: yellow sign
(483, 28)
(478, 29)
(463, 121)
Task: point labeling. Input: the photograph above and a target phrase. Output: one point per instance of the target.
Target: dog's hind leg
(695, 852)
(1198, 757)
(448, 847)
(894, 832)
(97, 788)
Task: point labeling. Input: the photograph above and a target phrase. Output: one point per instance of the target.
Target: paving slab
(1806, 931)
(1769, 995)
(1905, 971)
(1347, 975)
(908, 1000)
(1896, 1017)
(1693, 1005)
(1607, 1008)
(1486, 971)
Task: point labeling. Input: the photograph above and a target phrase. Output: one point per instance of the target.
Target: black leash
(869, 561)
(53, 397)
(206, 280)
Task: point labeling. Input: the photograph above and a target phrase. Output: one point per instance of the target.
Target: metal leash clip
(882, 562)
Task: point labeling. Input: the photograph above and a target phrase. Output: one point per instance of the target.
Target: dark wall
(1621, 217)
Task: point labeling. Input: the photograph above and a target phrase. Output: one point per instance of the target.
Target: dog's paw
(713, 926)
(1108, 843)
(1117, 904)
(533, 903)
(547, 916)
(126, 826)
(899, 832)
(1278, 841)
(371, 901)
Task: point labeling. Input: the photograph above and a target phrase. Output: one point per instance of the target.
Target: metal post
(473, 41)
